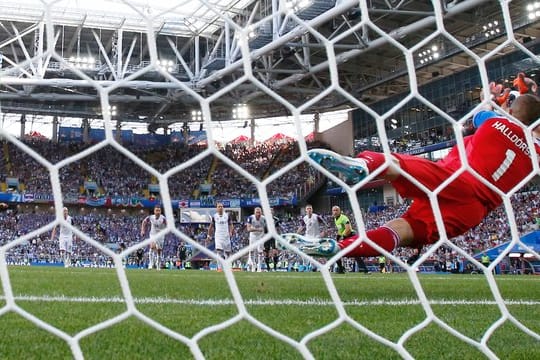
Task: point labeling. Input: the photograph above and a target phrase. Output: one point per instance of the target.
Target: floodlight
(240, 112)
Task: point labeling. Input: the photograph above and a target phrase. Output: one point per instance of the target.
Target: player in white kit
(157, 223)
(65, 239)
(256, 226)
(221, 228)
(312, 224)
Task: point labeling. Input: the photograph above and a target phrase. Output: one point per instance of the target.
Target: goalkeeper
(497, 151)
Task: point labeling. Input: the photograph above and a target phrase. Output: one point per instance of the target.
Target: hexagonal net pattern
(246, 54)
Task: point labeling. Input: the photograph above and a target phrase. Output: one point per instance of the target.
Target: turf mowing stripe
(315, 302)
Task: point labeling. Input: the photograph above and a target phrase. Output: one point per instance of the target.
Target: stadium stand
(120, 225)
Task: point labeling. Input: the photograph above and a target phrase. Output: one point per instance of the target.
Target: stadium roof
(194, 50)
(182, 18)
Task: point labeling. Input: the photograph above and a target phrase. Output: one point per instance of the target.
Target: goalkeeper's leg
(326, 247)
(351, 170)
(384, 236)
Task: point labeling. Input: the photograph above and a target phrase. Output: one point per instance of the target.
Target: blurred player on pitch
(157, 223)
(65, 238)
(221, 227)
(256, 225)
(270, 249)
(312, 225)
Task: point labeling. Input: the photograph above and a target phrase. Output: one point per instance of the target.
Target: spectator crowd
(117, 229)
(116, 174)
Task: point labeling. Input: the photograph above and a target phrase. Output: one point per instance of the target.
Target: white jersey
(221, 226)
(65, 231)
(156, 224)
(221, 231)
(65, 237)
(313, 225)
(260, 225)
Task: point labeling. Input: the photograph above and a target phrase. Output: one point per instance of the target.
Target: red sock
(373, 159)
(384, 236)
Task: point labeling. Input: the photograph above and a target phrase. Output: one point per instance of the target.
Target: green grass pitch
(295, 305)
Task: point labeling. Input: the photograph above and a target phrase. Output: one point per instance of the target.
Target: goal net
(411, 74)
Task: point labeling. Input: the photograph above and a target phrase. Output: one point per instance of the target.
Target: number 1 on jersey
(510, 156)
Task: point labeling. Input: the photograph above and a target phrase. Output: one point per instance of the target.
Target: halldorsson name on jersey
(516, 139)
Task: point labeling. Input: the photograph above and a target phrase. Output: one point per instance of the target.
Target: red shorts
(461, 208)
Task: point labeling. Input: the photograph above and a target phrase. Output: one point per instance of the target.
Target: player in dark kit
(498, 151)
(270, 249)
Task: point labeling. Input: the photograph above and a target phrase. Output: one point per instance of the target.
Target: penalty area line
(262, 302)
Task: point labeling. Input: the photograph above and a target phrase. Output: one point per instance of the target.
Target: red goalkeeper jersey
(498, 152)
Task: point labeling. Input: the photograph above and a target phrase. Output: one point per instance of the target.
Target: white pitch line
(263, 302)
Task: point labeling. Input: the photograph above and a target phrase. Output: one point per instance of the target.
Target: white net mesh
(242, 58)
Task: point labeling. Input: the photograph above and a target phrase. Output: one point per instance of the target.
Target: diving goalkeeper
(497, 151)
